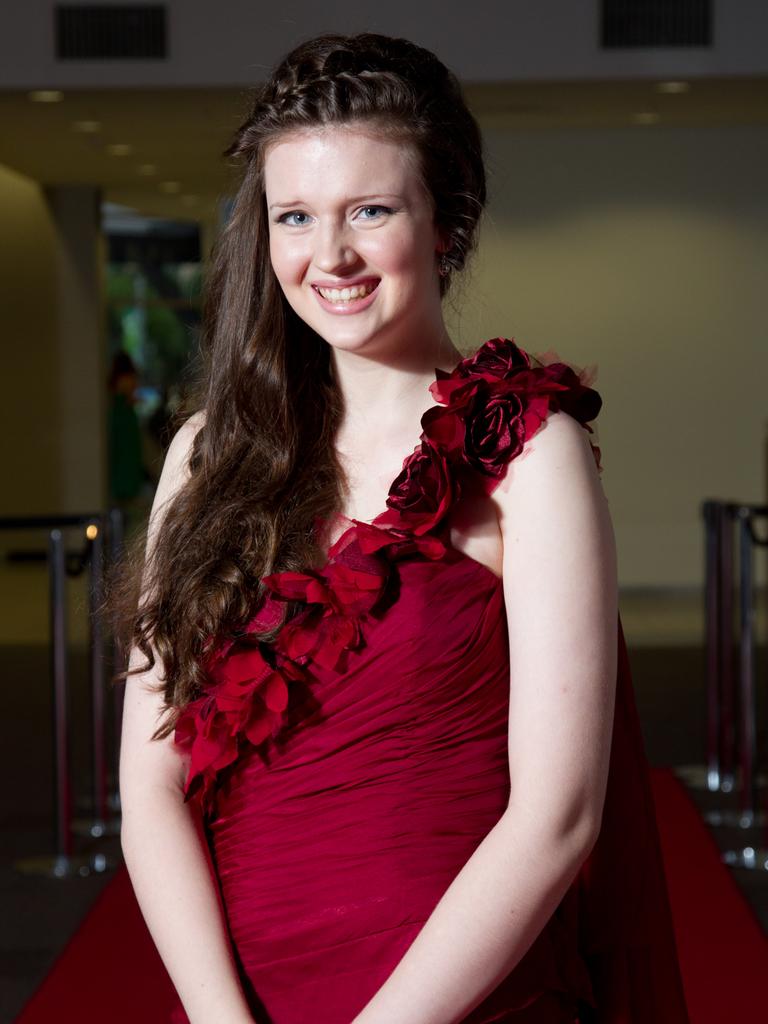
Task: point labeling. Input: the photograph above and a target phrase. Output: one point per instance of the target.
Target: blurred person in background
(127, 475)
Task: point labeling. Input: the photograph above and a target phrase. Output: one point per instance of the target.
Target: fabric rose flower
(246, 701)
(443, 425)
(336, 599)
(495, 430)
(421, 494)
(267, 616)
(498, 358)
(494, 402)
(371, 537)
(486, 422)
(574, 397)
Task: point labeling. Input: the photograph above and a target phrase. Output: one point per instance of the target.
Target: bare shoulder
(181, 443)
(557, 462)
(176, 465)
(195, 421)
(554, 519)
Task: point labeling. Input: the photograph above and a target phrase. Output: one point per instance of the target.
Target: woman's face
(346, 209)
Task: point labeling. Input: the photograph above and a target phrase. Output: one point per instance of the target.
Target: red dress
(349, 769)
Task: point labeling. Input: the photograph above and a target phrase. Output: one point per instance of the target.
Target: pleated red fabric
(348, 769)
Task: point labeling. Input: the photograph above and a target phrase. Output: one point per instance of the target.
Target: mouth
(349, 299)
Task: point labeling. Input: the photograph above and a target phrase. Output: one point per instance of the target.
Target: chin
(350, 342)
(345, 335)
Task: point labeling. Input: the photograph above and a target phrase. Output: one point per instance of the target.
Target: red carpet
(723, 951)
(110, 970)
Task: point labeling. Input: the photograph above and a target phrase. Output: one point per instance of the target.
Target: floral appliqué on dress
(488, 407)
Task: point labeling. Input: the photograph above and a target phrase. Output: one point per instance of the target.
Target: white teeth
(345, 294)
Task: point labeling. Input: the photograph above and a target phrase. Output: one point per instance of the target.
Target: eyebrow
(357, 199)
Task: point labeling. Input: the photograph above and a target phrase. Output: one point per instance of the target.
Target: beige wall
(82, 374)
(644, 251)
(29, 406)
(53, 393)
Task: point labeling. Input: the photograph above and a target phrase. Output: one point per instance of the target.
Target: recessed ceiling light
(673, 87)
(46, 96)
(645, 117)
(87, 127)
(119, 149)
(170, 186)
(147, 169)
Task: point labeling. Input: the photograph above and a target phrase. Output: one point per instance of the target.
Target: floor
(41, 911)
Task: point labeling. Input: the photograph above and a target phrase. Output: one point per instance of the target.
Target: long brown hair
(263, 466)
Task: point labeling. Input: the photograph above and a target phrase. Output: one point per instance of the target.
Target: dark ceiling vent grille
(92, 32)
(656, 23)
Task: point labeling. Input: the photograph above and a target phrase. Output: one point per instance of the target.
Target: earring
(444, 265)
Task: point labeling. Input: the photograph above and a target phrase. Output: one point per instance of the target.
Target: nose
(334, 250)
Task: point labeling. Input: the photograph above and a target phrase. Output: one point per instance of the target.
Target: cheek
(287, 258)
(397, 253)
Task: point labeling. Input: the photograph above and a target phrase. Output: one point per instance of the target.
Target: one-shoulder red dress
(349, 768)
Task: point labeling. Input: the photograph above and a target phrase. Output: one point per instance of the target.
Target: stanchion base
(77, 865)
(754, 858)
(96, 828)
(700, 777)
(735, 819)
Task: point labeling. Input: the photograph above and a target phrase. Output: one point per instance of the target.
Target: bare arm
(162, 838)
(560, 590)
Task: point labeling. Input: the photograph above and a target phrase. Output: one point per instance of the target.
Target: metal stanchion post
(94, 533)
(728, 709)
(99, 823)
(748, 714)
(712, 517)
(58, 655)
(64, 862)
(716, 774)
(747, 856)
(722, 692)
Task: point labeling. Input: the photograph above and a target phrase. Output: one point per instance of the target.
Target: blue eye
(293, 213)
(386, 209)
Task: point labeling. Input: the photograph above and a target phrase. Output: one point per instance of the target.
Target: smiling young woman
(380, 758)
(362, 219)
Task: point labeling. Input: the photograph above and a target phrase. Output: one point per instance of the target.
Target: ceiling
(181, 133)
